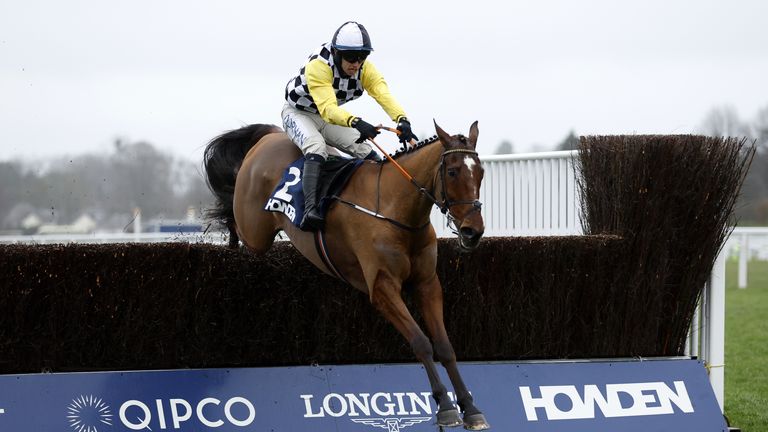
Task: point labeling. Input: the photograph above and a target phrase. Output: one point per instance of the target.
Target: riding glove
(406, 135)
(366, 129)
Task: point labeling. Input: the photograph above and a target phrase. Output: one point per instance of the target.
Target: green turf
(746, 348)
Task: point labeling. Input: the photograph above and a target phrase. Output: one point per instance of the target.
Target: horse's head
(459, 176)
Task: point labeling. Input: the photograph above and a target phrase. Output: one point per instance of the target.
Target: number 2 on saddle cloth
(288, 197)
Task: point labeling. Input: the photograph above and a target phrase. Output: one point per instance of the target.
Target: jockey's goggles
(354, 56)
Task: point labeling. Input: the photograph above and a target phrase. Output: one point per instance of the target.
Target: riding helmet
(351, 36)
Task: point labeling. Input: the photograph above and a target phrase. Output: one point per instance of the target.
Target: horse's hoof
(476, 422)
(449, 418)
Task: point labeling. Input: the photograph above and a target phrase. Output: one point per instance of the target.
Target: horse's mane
(420, 144)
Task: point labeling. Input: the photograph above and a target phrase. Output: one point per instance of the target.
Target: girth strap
(382, 217)
(322, 251)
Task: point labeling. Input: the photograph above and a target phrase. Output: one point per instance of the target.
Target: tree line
(107, 187)
(752, 207)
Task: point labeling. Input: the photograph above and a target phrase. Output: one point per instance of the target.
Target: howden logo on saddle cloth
(288, 196)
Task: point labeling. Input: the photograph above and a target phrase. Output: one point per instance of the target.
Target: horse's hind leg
(387, 299)
(256, 228)
(431, 302)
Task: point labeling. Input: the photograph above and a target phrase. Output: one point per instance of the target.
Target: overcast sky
(76, 74)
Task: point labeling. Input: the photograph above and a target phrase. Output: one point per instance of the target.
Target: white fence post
(136, 221)
(752, 243)
(715, 328)
(743, 259)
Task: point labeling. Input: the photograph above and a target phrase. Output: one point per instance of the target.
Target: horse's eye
(453, 172)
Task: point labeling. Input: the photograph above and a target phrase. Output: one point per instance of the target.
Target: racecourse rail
(532, 194)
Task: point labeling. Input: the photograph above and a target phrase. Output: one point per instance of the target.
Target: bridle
(444, 204)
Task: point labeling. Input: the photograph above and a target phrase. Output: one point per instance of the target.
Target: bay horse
(375, 251)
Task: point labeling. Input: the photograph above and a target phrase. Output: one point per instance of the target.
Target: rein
(444, 206)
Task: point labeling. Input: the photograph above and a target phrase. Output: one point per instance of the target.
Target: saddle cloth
(288, 196)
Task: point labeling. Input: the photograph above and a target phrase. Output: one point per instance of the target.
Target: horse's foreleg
(385, 296)
(431, 302)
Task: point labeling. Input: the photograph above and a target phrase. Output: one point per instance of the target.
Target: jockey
(336, 73)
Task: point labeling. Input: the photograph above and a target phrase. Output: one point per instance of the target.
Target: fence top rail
(751, 230)
(565, 154)
(100, 237)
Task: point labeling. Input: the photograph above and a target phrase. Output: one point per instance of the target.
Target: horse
(375, 251)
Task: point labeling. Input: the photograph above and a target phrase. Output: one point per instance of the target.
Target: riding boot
(312, 220)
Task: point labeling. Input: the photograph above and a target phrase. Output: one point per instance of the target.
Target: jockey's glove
(366, 129)
(406, 134)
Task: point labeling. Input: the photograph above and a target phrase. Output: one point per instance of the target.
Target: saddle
(288, 196)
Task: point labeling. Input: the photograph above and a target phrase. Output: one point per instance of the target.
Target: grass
(746, 348)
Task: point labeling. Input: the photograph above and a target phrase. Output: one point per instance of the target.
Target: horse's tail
(222, 159)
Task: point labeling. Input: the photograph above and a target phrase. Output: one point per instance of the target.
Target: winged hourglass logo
(392, 424)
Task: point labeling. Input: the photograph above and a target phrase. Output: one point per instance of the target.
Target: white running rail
(525, 195)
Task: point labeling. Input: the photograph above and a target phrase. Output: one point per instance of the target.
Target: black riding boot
(312, 220)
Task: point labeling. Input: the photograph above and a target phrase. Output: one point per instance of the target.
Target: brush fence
(533, 194)
(536, 194)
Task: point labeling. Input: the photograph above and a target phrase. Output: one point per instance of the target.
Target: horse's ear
(473, 135)
(444, 137)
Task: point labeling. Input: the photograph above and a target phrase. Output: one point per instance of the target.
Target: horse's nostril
(469, 238)
(468, 232)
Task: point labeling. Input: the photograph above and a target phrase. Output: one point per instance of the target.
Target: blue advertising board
(656, 395)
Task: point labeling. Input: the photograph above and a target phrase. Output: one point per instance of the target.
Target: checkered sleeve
(320, 84)
(374, 84)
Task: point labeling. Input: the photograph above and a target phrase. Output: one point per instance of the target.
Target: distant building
(30, 223)
(82, 225)
(189, 225)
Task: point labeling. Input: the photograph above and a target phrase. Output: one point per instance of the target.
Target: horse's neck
(422, 165)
